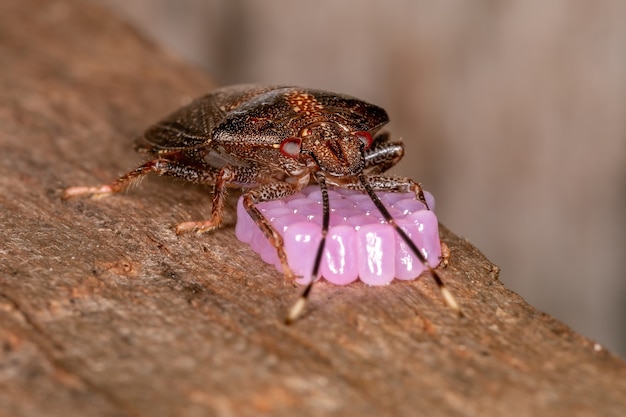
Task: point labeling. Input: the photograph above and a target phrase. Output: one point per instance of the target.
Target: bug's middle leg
(238, 176)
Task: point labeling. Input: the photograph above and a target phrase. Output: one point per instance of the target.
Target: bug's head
(333, 148)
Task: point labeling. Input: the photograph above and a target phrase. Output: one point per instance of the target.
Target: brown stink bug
(272, 141)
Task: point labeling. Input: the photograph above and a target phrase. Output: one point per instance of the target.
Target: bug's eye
(290, 147)
(365, 137)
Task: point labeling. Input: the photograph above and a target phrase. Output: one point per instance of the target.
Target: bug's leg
(269, 192)
(445, 255)
(403, 184)
(199, 174)
(393, 184)
(161, 166)
(237, 176)
(383, 154)
(224, 176)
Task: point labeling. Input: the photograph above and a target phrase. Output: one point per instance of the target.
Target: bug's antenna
(445, 292)
(298, 306)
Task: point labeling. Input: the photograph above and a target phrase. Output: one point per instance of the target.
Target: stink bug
(272, 141)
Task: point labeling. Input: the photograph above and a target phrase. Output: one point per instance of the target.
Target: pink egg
(376, 248)
(340, 263)
(301, 242)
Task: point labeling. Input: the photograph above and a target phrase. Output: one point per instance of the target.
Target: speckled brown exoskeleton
(272, 141)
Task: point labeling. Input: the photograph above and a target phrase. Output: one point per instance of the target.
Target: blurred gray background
(512, 113)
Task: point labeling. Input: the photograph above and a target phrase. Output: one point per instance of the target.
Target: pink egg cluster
(359, 244)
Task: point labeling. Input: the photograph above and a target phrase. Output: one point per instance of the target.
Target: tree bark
(104, 311)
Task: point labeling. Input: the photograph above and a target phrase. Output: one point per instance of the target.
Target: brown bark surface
(104, 311)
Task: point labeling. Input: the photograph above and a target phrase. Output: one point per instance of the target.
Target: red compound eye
(365, 137)
(290, 147)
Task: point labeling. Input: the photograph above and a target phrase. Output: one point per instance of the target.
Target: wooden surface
(104, 311)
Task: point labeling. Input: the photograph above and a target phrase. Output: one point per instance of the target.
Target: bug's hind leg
(160, 166)
(115, 187)
(199, 174)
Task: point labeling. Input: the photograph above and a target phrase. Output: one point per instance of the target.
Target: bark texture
(104, 311)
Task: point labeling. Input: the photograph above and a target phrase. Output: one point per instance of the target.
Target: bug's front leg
(383, 154)
(269, 192)
(392, 184)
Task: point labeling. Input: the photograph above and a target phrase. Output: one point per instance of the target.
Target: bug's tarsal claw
(197, 227)
(81, 191)
(289, 275)
(445, 255)
(422, 197)
(287, 271)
